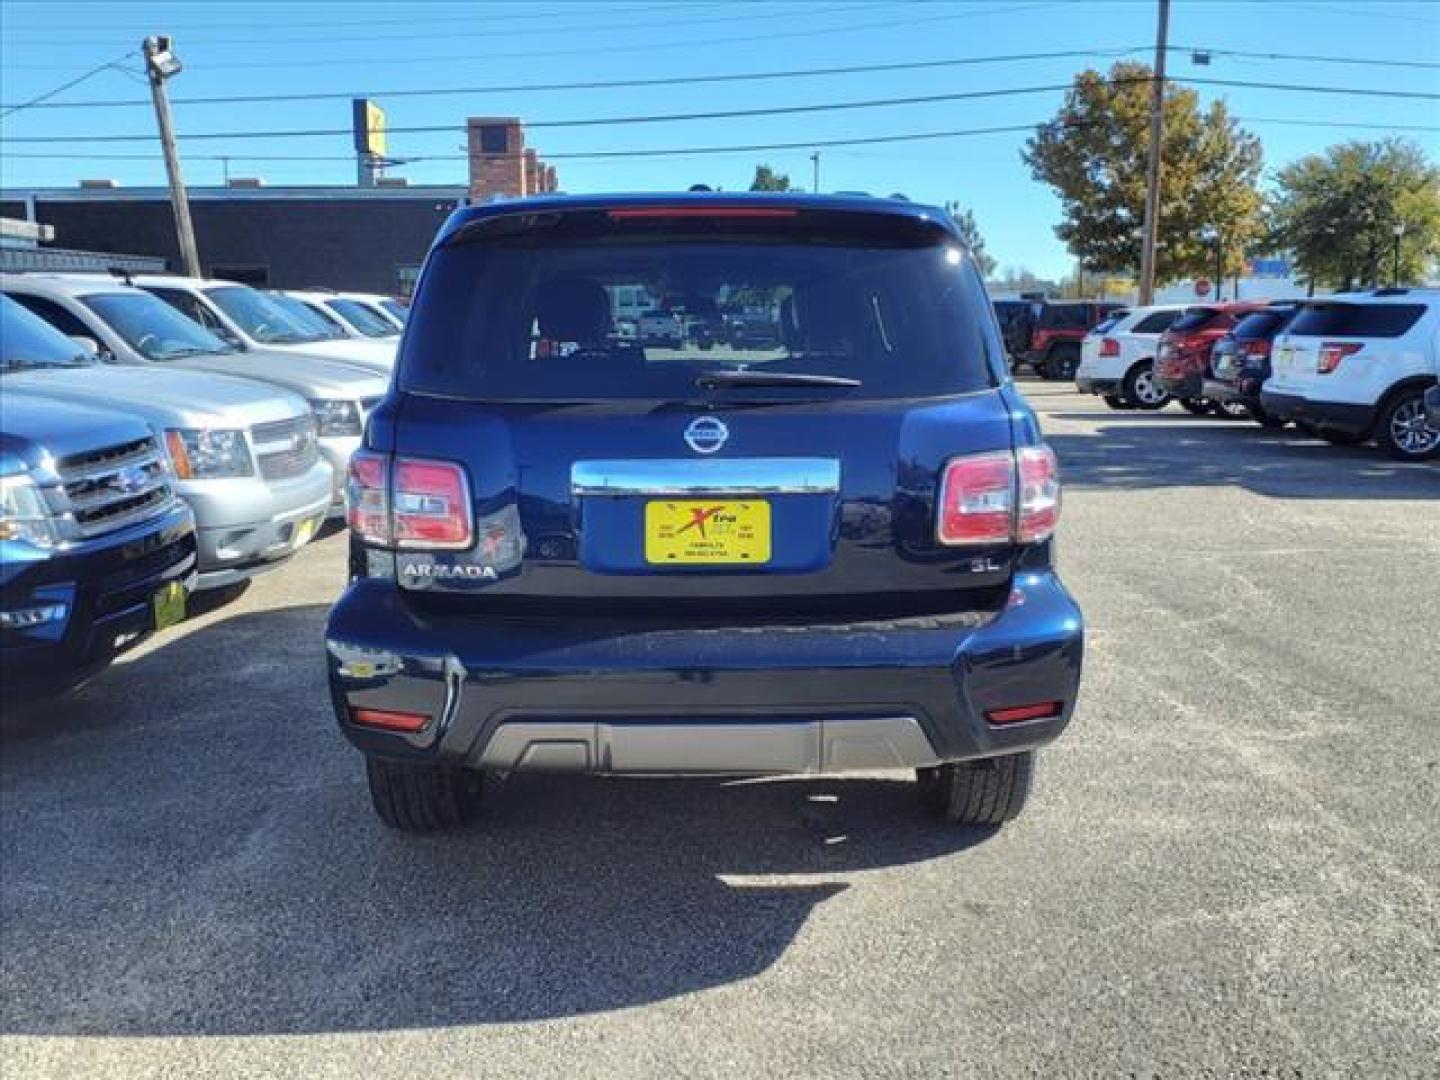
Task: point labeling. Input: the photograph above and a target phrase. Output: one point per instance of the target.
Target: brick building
(500, 163)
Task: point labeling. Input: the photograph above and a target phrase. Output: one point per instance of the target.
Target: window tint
(396, 309)
(1157, 322)
(1259, 325)
(1356, 320)
(1065, 317)
(368, 322)
(188, 305)
(28, 341)
(536, 320)
(54, 314)
(307, 316)
(152, 328)
(259, 316)
(1194, 319)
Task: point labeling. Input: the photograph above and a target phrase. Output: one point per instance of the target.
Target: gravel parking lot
(1231, 864)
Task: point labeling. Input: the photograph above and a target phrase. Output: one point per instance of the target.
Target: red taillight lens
(410, 503)
(389, 720)
(1039, 510)
(367, 502)
(1109, 347)
(1042, 710)
(430, 505)
(1000, 497)
(1332, 352)
(1258, 349)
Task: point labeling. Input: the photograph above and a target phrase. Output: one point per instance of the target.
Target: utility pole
(161, 64)
(815, 162)
(1152, 168)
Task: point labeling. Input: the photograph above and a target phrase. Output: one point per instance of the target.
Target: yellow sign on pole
(369, 127)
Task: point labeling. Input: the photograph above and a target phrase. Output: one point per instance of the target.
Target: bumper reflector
(1043, 710)
(390, 721)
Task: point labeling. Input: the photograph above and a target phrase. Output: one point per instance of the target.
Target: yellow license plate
(168, 605)
(687, 531)
(305, 532)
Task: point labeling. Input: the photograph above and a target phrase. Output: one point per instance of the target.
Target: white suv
(1356, 366)
(1117, 358)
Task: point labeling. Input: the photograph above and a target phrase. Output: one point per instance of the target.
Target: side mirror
(89, 344)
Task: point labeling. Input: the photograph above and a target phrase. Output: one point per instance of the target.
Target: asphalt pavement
(1230, 865)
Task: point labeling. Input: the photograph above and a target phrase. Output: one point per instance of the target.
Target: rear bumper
(633, 698)
(1185, 386)
(1323, 415)
(1090, 384)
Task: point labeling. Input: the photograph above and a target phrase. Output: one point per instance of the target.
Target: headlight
(24, 517)
(203, 454)
(336, 417)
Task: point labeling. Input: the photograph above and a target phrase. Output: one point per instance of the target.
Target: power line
(580, 155)
(723, 114)
(1309, 58)
(40, 99)
(614, 84)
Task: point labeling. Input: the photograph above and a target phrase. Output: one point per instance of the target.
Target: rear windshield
(1194, 319)
(1157, 322)
(1356, 320)
(586, 311)
(1261, 325)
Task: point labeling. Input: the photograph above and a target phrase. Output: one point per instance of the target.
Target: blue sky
(232, 48)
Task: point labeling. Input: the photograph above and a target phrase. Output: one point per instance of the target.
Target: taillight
(1109, 347)
(999, 497)
(1332, 352)
(1257, 349)
(367, 497)
(1039, 510)
(430, 505)
(409, 503)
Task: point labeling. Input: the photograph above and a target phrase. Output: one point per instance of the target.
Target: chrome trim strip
(711, 476)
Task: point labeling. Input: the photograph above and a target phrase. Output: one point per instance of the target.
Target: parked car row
(1349, 368)
(159, 435)
(1047, 335)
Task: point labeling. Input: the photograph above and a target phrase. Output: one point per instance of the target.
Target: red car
(1183, 361)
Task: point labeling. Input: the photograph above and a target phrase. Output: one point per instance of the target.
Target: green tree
(970, 233)
(767, 179)
(1093, 153)
(1337, 213)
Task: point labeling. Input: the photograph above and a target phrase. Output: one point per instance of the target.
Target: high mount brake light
(999, 497)
(1332, 352)
(408, 503)
(656, 212)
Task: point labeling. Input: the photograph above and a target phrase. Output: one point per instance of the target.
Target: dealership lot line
(1231, 861)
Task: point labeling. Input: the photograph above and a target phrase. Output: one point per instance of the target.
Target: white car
(129, 326)
(249, 319)
(1117, 358)
(355, 315)
(1356, 366)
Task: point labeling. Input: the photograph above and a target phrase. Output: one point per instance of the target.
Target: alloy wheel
(1411, 431)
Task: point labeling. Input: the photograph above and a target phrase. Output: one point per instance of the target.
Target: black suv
(826, 550)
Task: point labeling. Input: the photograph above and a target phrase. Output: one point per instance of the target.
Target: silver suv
(130, 326)
(242, 454)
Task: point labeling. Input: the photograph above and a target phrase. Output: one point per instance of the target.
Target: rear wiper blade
(711, 380)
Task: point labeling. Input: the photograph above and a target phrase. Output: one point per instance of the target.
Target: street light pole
(1399, 235)
(815, 162)
(1152, 168)
(161, 64)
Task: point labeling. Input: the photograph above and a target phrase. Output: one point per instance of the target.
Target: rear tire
(1195, 406)
(1116, 402)
(1402, 430)
(991, 791)
(1062, 363)
(422, 798)
(1140, 389)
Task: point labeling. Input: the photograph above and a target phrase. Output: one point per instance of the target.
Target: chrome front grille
(285, 448)
(104, 490)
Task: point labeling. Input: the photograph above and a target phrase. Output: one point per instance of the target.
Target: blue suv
(821, 550)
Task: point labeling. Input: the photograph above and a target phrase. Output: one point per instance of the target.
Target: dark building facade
(361, 239)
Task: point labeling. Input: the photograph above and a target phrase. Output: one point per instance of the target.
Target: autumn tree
(767, 179)
(970, 233)
(1093, 153)
(1338, 213)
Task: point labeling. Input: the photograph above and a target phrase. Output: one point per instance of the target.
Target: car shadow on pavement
(1145, 451)
(188, 849)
